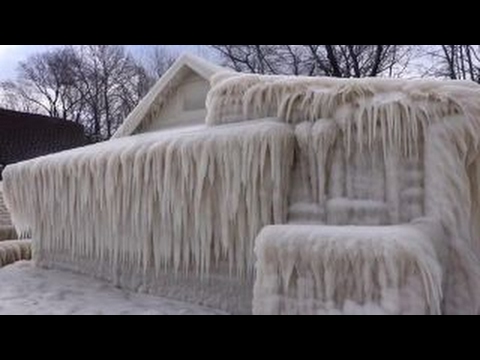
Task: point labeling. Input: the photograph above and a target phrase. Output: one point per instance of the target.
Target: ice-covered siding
(186, 105)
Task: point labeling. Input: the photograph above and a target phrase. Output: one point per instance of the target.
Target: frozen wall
(339, 186)
(159, 207)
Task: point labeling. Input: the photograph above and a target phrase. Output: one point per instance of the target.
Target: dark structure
(26, 136)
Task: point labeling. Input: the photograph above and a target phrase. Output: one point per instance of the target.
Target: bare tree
(109, 80)
(261, 59)
(326, 60)
(96, 85)
(359, 60)
(11, 98)
(457, 62)
(158, 60)
(46, 84)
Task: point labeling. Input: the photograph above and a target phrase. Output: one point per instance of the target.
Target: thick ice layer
(374, 184)
(363, 186)
(237, 97)
(176, 202)
(395, 110)
(452, 197)
(306, 270)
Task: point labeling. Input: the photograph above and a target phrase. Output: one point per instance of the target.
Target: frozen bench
(305, 270)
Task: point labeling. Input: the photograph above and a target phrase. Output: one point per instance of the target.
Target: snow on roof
(239, 97)
(160, 91)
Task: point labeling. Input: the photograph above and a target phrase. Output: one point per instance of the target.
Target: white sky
(10, 55)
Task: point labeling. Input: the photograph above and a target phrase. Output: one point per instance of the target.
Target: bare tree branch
(95, 85)
(324, 60)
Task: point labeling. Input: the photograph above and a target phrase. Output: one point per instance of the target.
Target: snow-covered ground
(28, 290)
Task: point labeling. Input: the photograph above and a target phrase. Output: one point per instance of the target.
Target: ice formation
(14, 250)
(399, 158)
(377, 152)
(309, 270)
(377, 104)
(7, 231)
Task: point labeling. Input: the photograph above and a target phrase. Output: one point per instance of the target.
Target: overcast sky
(10, 55)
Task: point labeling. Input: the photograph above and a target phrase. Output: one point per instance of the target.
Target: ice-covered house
(281, 195)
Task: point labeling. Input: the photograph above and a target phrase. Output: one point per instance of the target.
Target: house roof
(13, 120)
(24, 136)
(202, 67)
